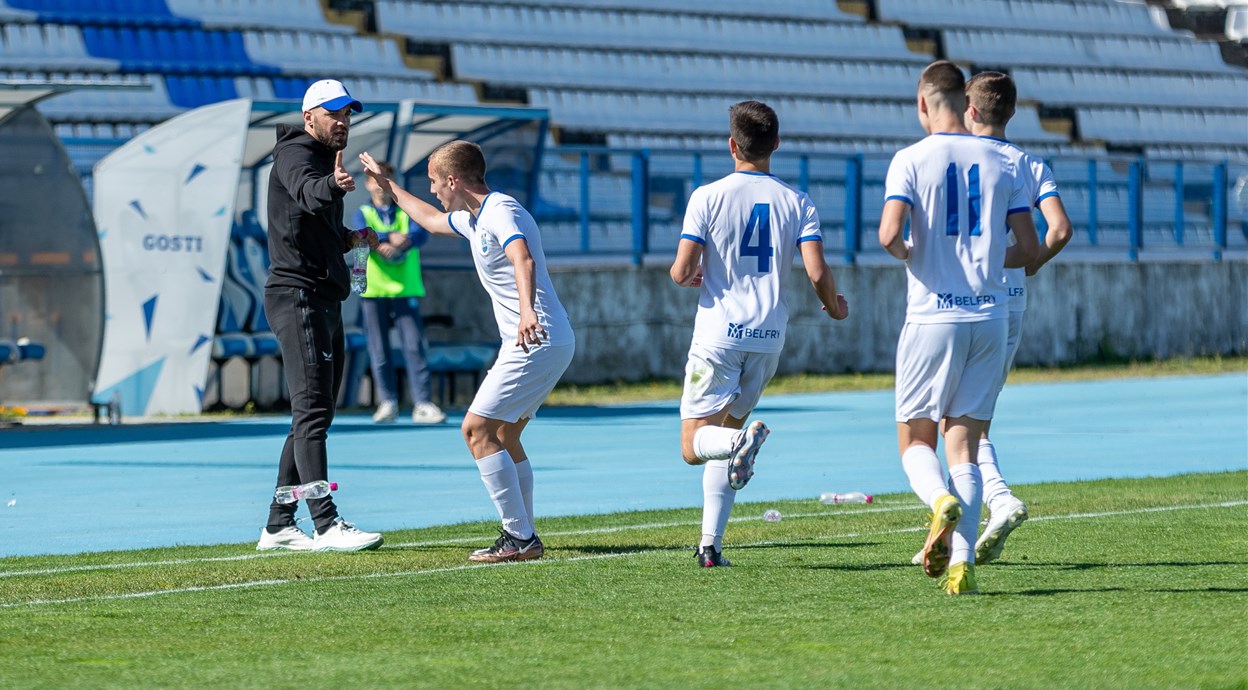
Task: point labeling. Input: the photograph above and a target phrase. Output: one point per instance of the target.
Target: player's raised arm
(893, 228)
(1027, 245)
(1058, 234)
(424, 214)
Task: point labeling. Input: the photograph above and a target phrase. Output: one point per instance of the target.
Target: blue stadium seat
(117, 12)
(9, 354)
(28, 349)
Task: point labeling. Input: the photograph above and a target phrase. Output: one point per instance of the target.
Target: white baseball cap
(330, 95)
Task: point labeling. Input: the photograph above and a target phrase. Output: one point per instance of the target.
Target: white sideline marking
(141, 564)
(417, 544)
(658, 525)
(451, 569)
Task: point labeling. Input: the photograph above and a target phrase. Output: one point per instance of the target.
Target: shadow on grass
(1201, 590)
(1097, 590)
(1096, 566)
(618, 548)
(863, 567)
(1051, 592)
(803, 545)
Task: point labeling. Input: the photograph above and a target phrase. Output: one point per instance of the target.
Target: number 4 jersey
(750, 225)
(960, 189)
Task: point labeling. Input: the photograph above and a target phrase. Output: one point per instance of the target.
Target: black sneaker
(710, 557)
(509, 548)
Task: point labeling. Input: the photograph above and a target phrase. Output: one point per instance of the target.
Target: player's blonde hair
(463, 159)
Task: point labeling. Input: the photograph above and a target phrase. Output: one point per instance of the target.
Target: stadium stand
(1141, 108)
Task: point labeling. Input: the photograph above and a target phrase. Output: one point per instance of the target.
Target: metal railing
(625, 203)
(613, 201)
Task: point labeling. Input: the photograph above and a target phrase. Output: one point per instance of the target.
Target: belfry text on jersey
(740, 332)
(947, 300)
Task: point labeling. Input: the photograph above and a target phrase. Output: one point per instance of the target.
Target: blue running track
(77, 489)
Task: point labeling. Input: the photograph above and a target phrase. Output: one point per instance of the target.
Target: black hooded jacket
(307, 239)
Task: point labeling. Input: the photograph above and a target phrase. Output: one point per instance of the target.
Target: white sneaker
(343, 536)
(428, 413)
(741, 466)
(1001, 522)
(288, 539)
(386, 412)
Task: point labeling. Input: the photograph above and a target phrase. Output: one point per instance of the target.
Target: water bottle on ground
(830, 499)
(316, 489)
(772, 515)
(359, 265)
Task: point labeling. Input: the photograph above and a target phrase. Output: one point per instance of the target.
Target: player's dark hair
(755, 128)
(463, 159)
(994, 95)
(944, 77)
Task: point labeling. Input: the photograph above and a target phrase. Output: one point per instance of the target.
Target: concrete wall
(634, 323)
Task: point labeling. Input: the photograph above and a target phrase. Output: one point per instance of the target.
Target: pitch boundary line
(574, 559)
(420, 544)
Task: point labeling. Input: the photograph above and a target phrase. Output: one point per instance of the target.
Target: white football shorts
(718, 378)
(520, 382)
(950, 369)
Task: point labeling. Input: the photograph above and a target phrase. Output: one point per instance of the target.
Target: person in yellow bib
(392, 300)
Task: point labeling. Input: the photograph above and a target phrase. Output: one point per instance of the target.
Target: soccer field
(1114, 583)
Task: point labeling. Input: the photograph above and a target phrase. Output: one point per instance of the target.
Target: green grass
(573, 394)
(1148, 592)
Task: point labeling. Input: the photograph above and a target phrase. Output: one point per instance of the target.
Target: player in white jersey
(537, 339)
(991, 100)
(740, 237)
(959, 192)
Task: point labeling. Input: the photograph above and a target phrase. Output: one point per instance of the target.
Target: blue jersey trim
(1020, 209)
(691, 238)
(1045, 196)
(751, 172)
(519, 236)
(809, 238)
(454, 229)
(953, 134)
(897, 197)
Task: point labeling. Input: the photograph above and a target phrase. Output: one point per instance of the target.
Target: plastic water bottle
(359, 266)
(830, 499)
(772, 515)
(316, 489)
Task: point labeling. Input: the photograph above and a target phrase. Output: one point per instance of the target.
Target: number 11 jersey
(749, 225)
(960, 188)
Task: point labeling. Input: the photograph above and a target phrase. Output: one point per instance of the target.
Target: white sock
(965, 482)
(714, 442)
(995, 488)
(524, 473)
(498, 473)
(927, 479)
(717, 500)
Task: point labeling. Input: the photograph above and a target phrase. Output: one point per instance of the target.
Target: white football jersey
(960, 189)
(501, 221)
(749, 226)
(1040, 186)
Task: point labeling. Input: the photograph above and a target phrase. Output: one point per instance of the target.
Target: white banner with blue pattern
(164, 204)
